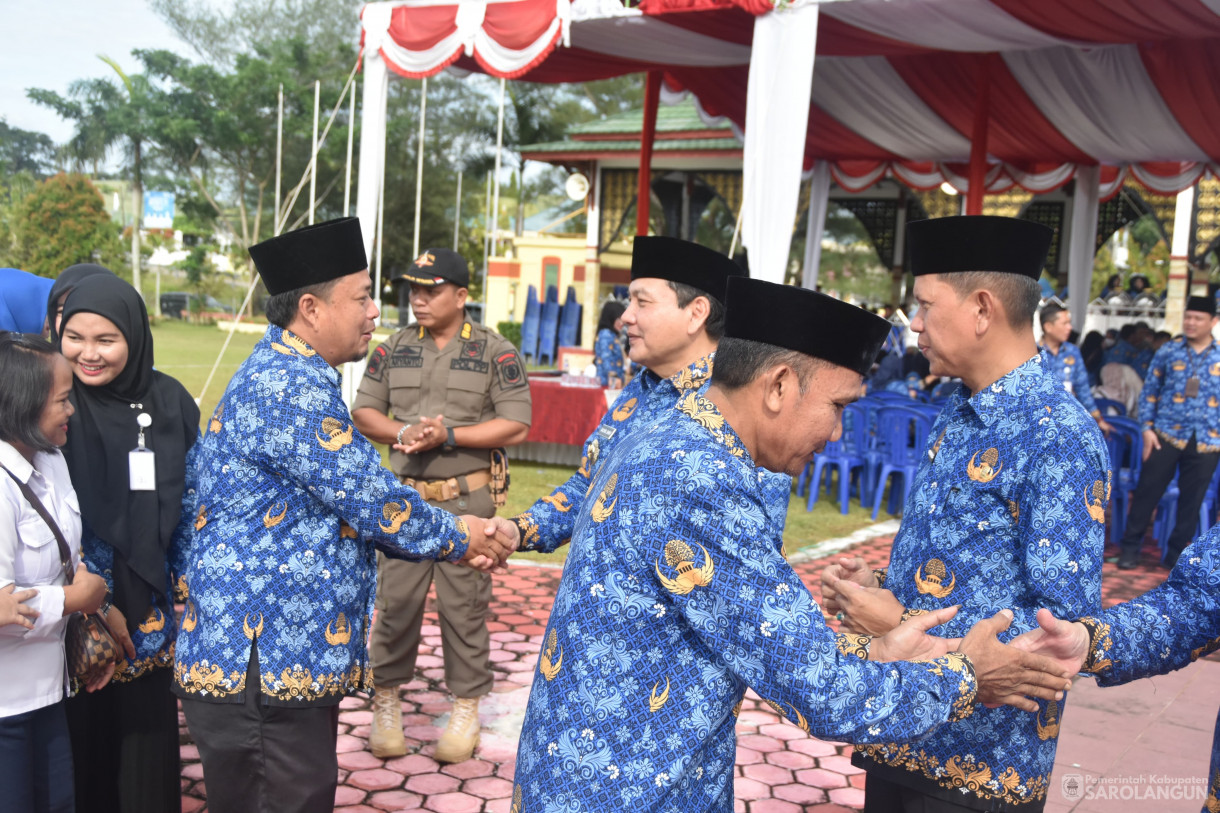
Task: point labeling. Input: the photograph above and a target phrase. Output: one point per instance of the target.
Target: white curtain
(819, 200)
(777, 115)
(1082, 240)
(1104, 102)
(958, 25)
(867, 96)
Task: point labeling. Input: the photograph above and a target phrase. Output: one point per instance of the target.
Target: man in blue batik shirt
(1167, 628)
(676, 595)
(1064, 361)
(1007, 510)
(674, 320)
(1180, 413)
(292, 502)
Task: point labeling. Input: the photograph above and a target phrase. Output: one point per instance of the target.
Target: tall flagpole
(279, 160)
(380, 229)
(487, 226)
(457, 215)
(351, 131)
(313, 164)
(419, 161)
(495, 205)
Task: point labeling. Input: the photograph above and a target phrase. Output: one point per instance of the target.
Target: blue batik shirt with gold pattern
(548, 523)
(1067, 367)
(1168, 409)
(154, 636)
(1006, 511)
(292, 501)
(675, 598)
(1168, 627)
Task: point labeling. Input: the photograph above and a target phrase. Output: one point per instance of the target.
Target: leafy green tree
(63, 222)
(25, 151)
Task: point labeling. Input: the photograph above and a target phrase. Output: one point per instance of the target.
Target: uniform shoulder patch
(376, 365)
(511, 370)
(473, 349)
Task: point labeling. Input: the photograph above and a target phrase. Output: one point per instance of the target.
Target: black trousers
(125, 746)
(882, 796)
(1196, 473)
(259, 758)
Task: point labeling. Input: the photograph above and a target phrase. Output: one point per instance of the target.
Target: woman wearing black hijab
(68, 279)
(138, 517)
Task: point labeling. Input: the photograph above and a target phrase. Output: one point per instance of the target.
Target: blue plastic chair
(548, 330)
(902, 433)
(839, 457)
(529, 325)
(1110, 407)
(1207, 510)
(569, 319)
(1125, 446)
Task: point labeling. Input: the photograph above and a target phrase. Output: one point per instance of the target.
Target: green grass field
(187, 352)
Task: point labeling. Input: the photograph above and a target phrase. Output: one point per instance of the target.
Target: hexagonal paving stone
(750, 789)
(430, 784)
(359, 761)
(395, 800)
(850, 797)
(782, 731)
(469, 769)
(839, 764)
(792, 760)
(814, 748)
(375, 779)
(760, 743)
(454, 803)
(773, 806)
(413, 764)
(489, 787)
(770, 774)
(821, 778)
(801, 794)
(345, 795)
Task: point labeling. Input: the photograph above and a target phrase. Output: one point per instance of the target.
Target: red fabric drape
(1116, 20)
(1187, 74)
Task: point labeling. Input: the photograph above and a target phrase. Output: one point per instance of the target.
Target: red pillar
(978, 139)
(652, 96)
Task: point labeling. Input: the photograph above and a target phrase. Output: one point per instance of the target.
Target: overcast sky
(49, 44)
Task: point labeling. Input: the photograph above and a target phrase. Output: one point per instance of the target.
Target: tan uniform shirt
(476, 377)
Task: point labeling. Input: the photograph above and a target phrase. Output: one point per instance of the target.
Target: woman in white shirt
(35, 754)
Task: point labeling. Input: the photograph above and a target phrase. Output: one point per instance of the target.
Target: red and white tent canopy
(874, 88)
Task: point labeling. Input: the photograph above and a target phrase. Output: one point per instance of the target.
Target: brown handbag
(88, 643)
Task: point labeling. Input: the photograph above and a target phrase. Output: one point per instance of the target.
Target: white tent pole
(419, 161)
(495, 205)
(351, 133)
(279, 159)
(457, 215)
(313, 164)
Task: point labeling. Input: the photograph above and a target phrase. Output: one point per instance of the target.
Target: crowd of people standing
(277, 530)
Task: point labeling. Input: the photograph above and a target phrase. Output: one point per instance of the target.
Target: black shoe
(1126, 562)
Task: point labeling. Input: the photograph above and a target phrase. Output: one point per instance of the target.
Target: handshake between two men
(1007, 674)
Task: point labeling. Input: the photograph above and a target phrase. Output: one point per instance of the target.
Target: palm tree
(105, 115)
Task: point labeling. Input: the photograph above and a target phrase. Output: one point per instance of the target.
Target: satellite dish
(577, 186)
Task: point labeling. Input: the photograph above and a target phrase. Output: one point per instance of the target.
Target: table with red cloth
(563, 418)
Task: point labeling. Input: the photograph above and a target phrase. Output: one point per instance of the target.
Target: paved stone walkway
(1152, 727)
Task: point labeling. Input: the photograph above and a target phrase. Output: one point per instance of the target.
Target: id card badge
(1192, 386)
(142, 467)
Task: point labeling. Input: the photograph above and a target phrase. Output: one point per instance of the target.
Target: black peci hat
(946, 245)
(683, 262)
(1203, 304)
(436, 266)
(308, 256)
(805, 321)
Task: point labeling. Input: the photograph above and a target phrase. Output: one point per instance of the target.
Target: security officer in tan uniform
(447, 393)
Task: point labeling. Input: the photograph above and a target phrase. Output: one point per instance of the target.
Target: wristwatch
(450, 440)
